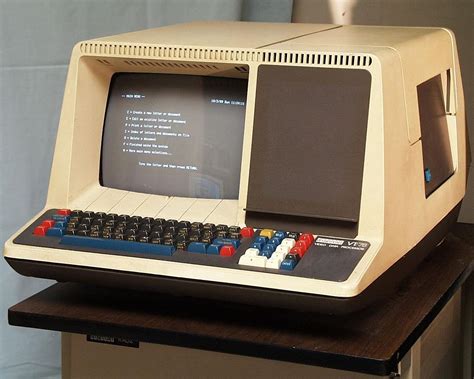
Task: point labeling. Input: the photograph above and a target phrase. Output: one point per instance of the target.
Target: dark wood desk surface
(371, 341)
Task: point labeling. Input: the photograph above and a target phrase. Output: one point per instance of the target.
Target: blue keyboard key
(261, 239)
(270, 246)
(288, 264)
(198, 247)
(61, 218)
(227, 241)
(266, 253)
(110, 244)
(275, 241)
(257, 245)
(279, 234)
(55, 232)
(214, 249)
(60, 224)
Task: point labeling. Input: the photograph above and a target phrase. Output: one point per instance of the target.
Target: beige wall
(457, 15)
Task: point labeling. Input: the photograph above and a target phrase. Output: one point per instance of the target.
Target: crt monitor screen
(174, 135)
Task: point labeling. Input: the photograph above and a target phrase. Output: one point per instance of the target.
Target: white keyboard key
(274, 262)
(252, 252)
(290, 242)
(259, 261)
(281, 249)
(245, 260)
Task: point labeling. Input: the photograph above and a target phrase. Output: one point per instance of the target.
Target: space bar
(110, 244)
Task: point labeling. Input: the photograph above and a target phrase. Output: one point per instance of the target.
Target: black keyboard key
(171, 222)
(111, 216)
(132, 225)
(169, 242)
(234, 229)
(88, 214)
(143, 233)
(171, 229)
(129, 232)
(136, 219)
(158, 228)
(131, 237)
(294, 235)
(118, 236)
(71, 231)
(100, 215)
(148, 220)
(222, 234)
(184, 224)
(110, 222)
(159, 221)
(119, 229)
(182, 245)
(95, 227)
(83, 233)
(235, 236)
(156, 234)
(123, 218)
(157, 240)
(86, 220)
(144, 228)
(83, 227)
(222, 228)
(143, 239)
(76, 213)
(196, 226)
(182, 237)
(209, 226)
(206, 239)
(75, 219)
(95, 233)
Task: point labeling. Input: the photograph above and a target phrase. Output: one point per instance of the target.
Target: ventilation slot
(356, 60)
(172, 65)
(169, 52)
(242, 69)
(104, 62)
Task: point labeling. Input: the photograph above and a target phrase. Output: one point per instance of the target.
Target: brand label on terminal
(113, 341)
(342, 243)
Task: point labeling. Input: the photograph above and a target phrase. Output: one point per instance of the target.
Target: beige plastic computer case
(398, 212)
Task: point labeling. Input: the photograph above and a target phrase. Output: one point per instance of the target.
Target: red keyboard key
(303, 244)
(297, 250)
(63, 212)
(227, 250)
(307, 237)
(48, 223)
(247, 232)
(40, 230)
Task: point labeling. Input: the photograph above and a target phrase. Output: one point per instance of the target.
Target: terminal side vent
(320, 59)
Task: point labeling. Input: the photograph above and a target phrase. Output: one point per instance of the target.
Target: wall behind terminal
(36, 38)
(453, 14)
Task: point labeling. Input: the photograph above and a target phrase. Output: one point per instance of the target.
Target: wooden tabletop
(371, 341)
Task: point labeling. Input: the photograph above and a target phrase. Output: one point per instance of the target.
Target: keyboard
(91, 231)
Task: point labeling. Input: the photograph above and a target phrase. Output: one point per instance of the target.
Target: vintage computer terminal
(291, 165)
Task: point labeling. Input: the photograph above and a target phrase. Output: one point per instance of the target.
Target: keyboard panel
(246, 248)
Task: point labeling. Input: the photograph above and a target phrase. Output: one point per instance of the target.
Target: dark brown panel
(437, 157)
(309, 142)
